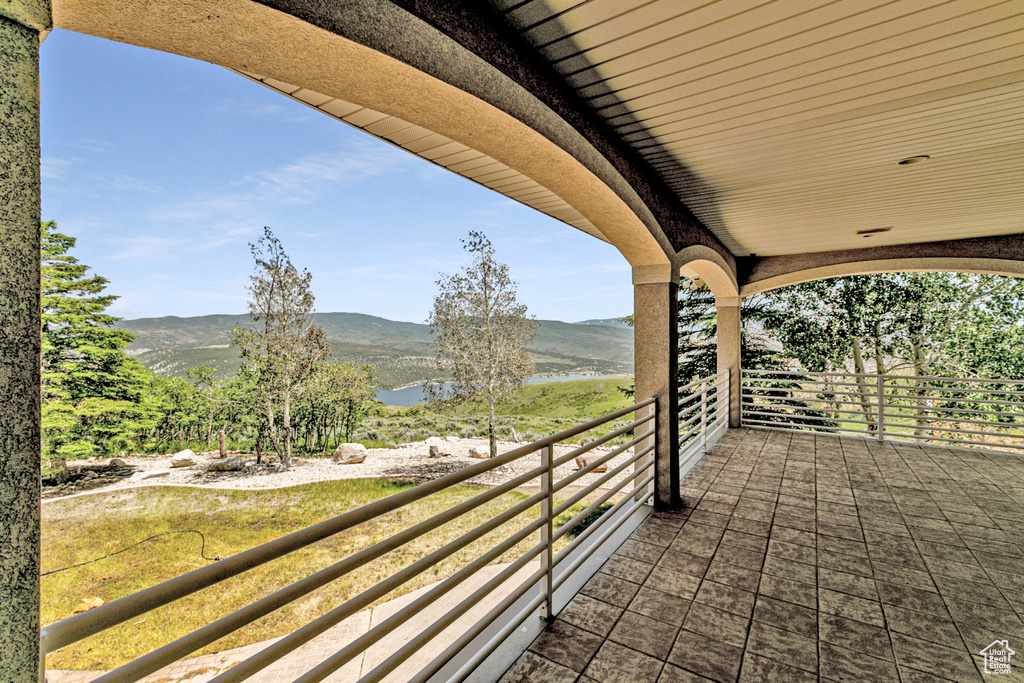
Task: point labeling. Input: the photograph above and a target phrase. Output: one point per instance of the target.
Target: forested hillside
(400, 351)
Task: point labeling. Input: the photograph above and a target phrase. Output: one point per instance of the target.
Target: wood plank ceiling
(781, 123)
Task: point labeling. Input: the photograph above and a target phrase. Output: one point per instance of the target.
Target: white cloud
(145, 248)
(88, 145)
(54, 168)
(307, 176)
(124, 183)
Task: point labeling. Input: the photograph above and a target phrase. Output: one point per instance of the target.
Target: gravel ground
(409, 461)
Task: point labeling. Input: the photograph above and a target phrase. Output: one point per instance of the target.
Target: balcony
(810, 557)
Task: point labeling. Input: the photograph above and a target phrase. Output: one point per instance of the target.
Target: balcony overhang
(1001, 255)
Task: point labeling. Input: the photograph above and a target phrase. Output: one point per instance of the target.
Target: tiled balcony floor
(802, 558)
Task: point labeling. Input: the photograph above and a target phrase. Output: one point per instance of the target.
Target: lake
(410, 396)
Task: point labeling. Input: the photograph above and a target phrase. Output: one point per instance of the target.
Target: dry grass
(84, 528)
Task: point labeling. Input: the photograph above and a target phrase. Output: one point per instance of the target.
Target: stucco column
(656, 350)
(729, 351)
(20, 26)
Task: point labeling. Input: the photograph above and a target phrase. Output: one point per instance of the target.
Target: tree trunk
(492, 437)
(272, 428)
(862, 387)
(286, 458)
(832, 402)
(221, 444)
(209, 430)
(920, 402)
(879, 370)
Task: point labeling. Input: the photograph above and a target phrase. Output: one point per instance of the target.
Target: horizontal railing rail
(965, 411)
(703, 411)
(633, 487)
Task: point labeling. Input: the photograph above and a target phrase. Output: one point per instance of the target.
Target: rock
(152, 474)
(438, 447)
(451, 438)
(88, 604)
(185, 458)
(350, 454)
(584, 460)
(479, 454)
(232, 464)
(117, 463)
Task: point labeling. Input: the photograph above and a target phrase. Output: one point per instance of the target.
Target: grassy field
(579, 400)
(80, 529)
(536, 411)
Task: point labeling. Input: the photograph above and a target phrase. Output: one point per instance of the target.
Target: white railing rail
(958, 411)
(633, 487)
(703, 410)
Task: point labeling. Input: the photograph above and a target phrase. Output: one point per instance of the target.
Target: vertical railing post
(881, 408)
(547, 531)
(704, 416)
(728, 390)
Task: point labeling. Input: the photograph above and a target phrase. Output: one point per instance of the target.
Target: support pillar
(21, 23)
(728, 312)
(656, 350)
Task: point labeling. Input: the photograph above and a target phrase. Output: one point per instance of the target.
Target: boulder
(232, 464)
(437, 446)
(451, 438)
(185, 458)
(118, 463)
(584, 460)
(350, 454)
(479, 454)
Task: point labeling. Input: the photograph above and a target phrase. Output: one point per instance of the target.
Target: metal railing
(703, 416)
(959, 411)
(633, 487)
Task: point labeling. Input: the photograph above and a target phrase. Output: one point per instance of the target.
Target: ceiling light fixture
(913, 160)
(873, 231)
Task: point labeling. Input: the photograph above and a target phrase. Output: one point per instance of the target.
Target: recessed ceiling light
(873, 231)
(913, 160)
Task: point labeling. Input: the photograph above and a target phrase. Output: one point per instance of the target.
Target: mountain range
(400, 351)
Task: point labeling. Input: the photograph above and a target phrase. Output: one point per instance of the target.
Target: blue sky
(165, 169)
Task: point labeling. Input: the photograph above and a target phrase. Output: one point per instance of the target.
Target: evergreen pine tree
(92, 391)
